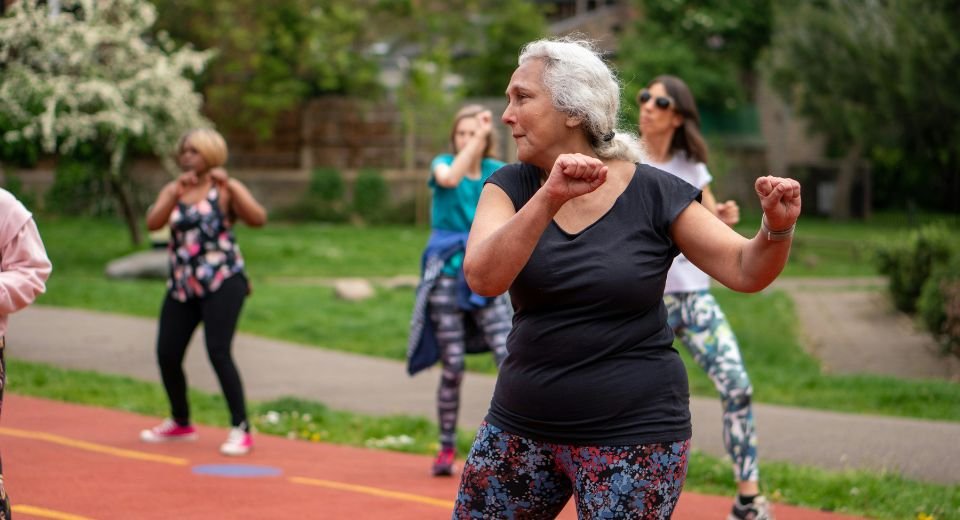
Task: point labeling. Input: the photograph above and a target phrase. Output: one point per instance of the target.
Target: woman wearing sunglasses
(670, 131)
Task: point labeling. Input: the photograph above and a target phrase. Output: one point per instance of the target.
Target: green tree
(494, 44)
(272, 56)
(87, 82)
(877, 79)
(712, 44)
(421, 37)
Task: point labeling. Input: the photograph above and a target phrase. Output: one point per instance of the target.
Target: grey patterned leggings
(449, 320)
(703, 328)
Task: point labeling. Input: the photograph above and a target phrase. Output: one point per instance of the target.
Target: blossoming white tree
(92, 77)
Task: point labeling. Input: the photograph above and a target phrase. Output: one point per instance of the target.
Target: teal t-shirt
(453, 209)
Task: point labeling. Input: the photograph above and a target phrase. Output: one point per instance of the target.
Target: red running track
(73, 462)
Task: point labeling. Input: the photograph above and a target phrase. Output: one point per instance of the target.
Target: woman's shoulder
(517, 172)
(649, 173)
(652, 178)
(519, 180)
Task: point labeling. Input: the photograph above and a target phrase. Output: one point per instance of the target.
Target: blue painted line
(237, 470)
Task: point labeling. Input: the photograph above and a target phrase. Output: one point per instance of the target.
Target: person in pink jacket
(24, 268)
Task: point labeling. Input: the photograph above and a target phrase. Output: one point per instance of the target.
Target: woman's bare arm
(745, 265)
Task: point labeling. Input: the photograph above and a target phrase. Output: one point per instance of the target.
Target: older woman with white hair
(592, 400)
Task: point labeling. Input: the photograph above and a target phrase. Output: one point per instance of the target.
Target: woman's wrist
(776, 236)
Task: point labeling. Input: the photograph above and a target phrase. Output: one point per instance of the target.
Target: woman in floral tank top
(207, 282)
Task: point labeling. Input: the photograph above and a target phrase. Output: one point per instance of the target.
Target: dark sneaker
(167, 431)
(443, 464)
(759, 509)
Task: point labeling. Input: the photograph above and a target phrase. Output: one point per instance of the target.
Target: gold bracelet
(776, 236)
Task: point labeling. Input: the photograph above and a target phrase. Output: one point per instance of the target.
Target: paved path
(922, 450)
(851, 326)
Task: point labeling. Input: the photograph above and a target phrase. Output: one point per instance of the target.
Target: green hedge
(923, 269)
(908, 262)
(322, 202)
(939, 304)
(370, 196)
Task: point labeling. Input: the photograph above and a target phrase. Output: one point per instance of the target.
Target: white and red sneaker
(169, 430)
(239, 442)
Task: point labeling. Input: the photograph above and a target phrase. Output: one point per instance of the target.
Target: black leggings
(219, 312)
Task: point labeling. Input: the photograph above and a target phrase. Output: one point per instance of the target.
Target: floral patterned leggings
(704, 330)
(509, 476)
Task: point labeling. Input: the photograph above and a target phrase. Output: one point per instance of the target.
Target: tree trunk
(846, 178)
(130, 214)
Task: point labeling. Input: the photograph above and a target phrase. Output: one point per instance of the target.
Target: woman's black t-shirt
(591, 358)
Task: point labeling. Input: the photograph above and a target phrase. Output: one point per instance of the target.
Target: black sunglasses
(661, 102)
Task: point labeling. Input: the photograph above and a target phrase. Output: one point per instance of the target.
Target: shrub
(14, 185)
(79, 188)
(951, 323)
(326, 184)
(909, 261)
(402, 213)
(322, 202)
(939, 305)
(23, 154)
(370, 196)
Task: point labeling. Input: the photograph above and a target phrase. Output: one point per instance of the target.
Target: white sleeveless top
(683, 275)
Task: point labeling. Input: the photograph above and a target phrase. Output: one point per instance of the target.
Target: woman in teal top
(448, 319)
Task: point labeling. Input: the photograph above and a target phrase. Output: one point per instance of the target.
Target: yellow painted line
(45, 513)
(90, 446)
(366, 490)
(177, 461)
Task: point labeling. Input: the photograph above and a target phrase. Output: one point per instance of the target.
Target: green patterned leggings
(703, 329)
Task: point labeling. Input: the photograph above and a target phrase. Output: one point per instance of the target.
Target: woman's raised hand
(219, 176)
(184, 181)
(484, 123)
(780, 200)
(573, 175)
(728, 212)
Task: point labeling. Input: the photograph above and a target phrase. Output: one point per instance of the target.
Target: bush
(909, 262)
(403, 213)
(326, 184)
(23, 154)
(950, 337)
(939, 305)
(79, 188)
(370, 196)
(14, 185)
(322, 202)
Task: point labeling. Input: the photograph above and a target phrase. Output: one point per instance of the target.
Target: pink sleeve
(24, 269)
